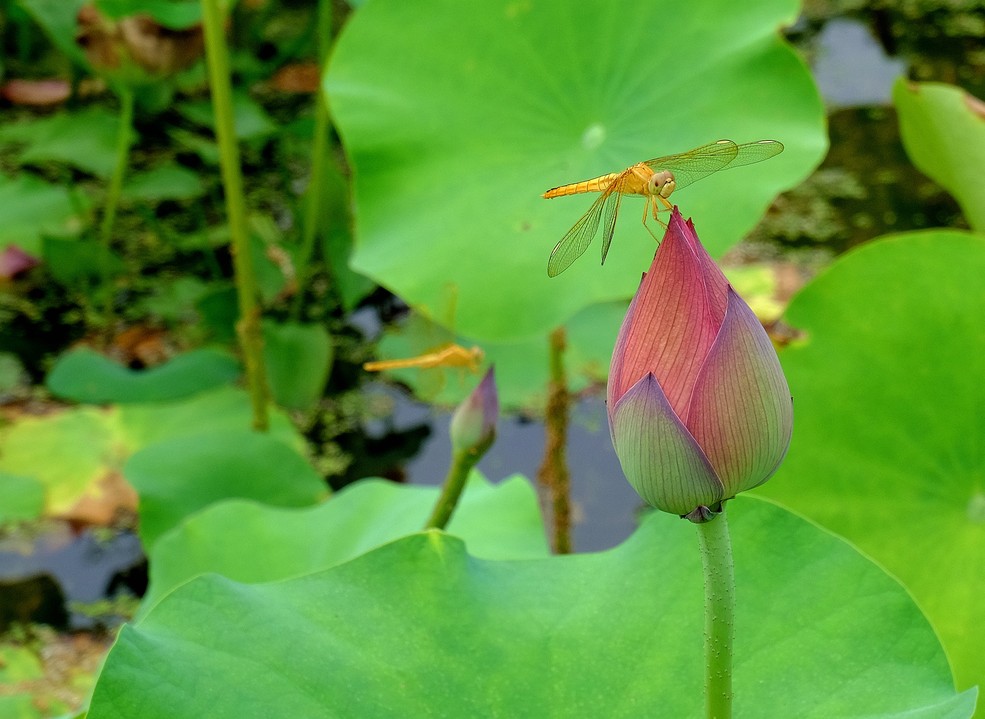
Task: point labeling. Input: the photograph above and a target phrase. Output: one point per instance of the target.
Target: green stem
(312, 204)
(462, 462)
(716, 559)
(553, 475)
(124, 137)
(319, 149)
(248, 326)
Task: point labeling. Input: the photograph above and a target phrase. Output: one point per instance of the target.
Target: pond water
(42, 573)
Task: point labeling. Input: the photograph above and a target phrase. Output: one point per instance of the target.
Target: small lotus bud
(473, 426)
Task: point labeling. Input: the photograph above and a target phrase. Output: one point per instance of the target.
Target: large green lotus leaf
(74, 453)
(419, 628)
(889, 442)
(224, 408)
(251, 542)
(83, 375)
(179, 476)
(943, 131)
(522, 367)
(33, 208)
(457, 116)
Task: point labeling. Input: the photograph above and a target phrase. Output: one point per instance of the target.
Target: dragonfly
(433, 349)
(430, 381)
(655, 180)
(449, 355)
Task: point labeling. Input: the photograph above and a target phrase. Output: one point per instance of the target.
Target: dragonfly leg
(646, 208)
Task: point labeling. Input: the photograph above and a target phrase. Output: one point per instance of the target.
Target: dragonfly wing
(689, 167)
(609, 214)
(753, 152)
(580, 236)
(693, 165)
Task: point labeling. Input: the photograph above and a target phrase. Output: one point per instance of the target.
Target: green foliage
(475, 109)
(72, 261)
(943, 130)
(12, 375)
(226, 408)
(69, 452)
(253, 543)
(164, 182)
(28, 667)
(298, 359)
(889, 444)
(85, 139)
(335, 223)
(19, 706)
(66, 453)
(173, 14)
(266, 243)
(18, 664)
(33, 209)
(179, 476)
(251, 121)
(83, 375)
(419, 628)
(174, 301)
(57, 19)
(204, 147)
(21, 498)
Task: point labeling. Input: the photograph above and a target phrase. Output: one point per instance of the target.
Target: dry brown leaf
(301, 78)
(137, 39)
(108, 501)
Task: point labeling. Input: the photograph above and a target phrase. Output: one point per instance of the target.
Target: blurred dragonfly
(655, 180)
(449, 355)
(434, 350)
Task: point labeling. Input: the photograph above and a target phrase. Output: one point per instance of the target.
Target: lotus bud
(699, 409)
(473, 426)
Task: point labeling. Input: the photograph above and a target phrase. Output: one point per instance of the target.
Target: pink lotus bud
(473, 426)
(699, 409)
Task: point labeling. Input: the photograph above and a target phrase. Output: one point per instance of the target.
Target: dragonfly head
(661, 183)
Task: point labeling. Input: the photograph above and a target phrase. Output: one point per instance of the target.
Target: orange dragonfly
(430, 381)
(432, 349)
(655, 180)
(450, 355)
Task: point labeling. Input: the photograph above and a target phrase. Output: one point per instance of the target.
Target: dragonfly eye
(661, 183)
